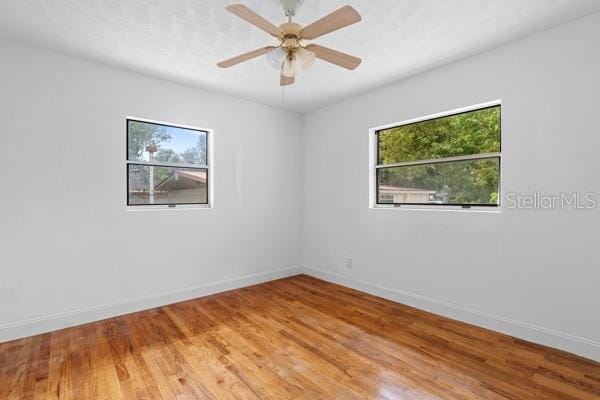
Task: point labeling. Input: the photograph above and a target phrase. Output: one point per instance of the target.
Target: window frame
(208, 167)
(374, 165)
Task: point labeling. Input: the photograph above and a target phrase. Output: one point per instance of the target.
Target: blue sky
(181, 139)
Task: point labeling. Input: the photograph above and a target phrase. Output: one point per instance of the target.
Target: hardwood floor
(295, 338)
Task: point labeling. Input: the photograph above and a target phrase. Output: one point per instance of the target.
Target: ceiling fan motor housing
(290, 29)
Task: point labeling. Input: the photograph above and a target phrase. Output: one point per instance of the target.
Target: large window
(166, 165)
(450, 160)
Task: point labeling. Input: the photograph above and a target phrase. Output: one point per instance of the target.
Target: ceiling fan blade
(245, 57)
(335, 57)
(248, 15)
(336, 20)
(286, 80)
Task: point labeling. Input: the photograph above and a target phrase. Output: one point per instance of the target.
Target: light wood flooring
(294, 338)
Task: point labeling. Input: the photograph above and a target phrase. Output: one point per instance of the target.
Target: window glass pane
(473, 132)
(470, 182)
(166, 185)
(154, 142)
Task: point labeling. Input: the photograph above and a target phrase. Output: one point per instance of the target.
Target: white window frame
(373, 166)
(209, 166)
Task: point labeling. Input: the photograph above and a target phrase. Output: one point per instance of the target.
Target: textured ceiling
(182, 40)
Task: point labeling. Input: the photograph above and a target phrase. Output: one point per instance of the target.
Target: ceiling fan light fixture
(305, 58)
(290, 68)
(276, 57)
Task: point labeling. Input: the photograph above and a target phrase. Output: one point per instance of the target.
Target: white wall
(70, 251)
(531, 273)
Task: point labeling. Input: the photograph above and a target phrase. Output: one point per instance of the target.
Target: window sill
(488, 210)
(176, 208)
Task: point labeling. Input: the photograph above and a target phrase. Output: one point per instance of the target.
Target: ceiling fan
(292, 56)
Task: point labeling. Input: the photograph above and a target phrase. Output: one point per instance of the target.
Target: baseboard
(581, 346)
(548, 337)
(48, 323)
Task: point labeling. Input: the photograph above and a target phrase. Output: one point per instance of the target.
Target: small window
(166, 165)
(452, 160)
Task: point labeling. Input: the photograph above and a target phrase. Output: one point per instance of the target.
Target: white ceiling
(182, 40)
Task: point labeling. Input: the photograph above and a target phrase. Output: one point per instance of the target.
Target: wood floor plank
(294, 338)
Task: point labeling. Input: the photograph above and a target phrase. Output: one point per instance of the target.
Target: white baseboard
(48, 323)
(581, 346)
(584, 347)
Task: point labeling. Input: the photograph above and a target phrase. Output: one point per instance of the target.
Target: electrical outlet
(349, 263)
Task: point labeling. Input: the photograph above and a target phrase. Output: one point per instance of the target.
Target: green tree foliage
(460, 182)
(196, 154)
(165, 155)
(142, 134)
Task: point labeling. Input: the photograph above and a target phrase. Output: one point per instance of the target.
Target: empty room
(300, 199)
